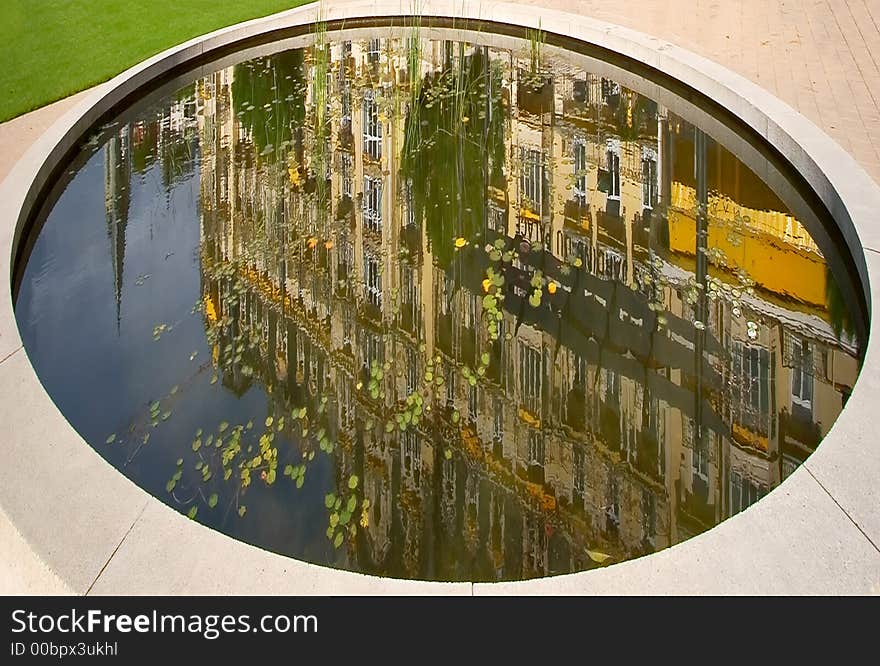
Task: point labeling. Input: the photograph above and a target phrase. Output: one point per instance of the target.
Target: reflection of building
(117, 183)
(131, 149)
(671, 377)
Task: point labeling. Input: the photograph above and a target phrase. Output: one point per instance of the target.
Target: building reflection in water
(547, 323)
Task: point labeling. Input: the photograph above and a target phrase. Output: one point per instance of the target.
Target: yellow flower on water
(460, 242)
(551, 287)
(328, 244)
(312, 242)
(486, 284)
(294, 176)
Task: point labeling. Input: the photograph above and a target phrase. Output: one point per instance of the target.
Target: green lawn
(52, 48)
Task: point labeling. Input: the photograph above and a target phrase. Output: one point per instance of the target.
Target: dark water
(443, 310)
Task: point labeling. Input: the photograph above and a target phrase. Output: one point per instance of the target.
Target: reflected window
(472, 403)
(344, 260)
(700, 459)
(450, 386)
(373, 352)
(612, 166)
(581, 91)
(412, 371)
(496, 219)
(346, 409)
(743, 492)
(531, 230)
(373, 50)
(750, 388)
(348, 336)
(372, 126)
(611, 265)
(345, 118)
(532, 178)
(531, 373)
(470, 310)
(578, 472)
(610, 91)
(498, 421)
(612, 510)
(409, 296)
(373, 204)
(800, 359)
(649, 178)
(536, 448)
(373, 279)
(412, 454)
(536, 536)
(580, 171)
(409, 213)
(346, 174)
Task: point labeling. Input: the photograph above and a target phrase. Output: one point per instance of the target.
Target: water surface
(438, 305)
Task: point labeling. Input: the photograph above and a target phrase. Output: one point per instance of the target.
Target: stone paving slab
(849, 471)
(97, 508)
(195, 568)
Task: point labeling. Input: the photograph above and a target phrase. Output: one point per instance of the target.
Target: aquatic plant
(457, 120)
(268, 95)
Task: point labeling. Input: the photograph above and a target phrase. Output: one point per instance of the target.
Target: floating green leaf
(192, 512)
(353, 481)
(111, 438)
(212, 500)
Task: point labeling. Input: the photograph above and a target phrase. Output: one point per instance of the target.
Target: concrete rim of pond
(88, 529)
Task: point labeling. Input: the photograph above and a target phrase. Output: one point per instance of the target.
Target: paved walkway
(820, 56)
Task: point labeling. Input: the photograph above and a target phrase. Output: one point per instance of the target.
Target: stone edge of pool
(71, 523)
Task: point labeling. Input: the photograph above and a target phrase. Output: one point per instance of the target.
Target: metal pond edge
(87, 529)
